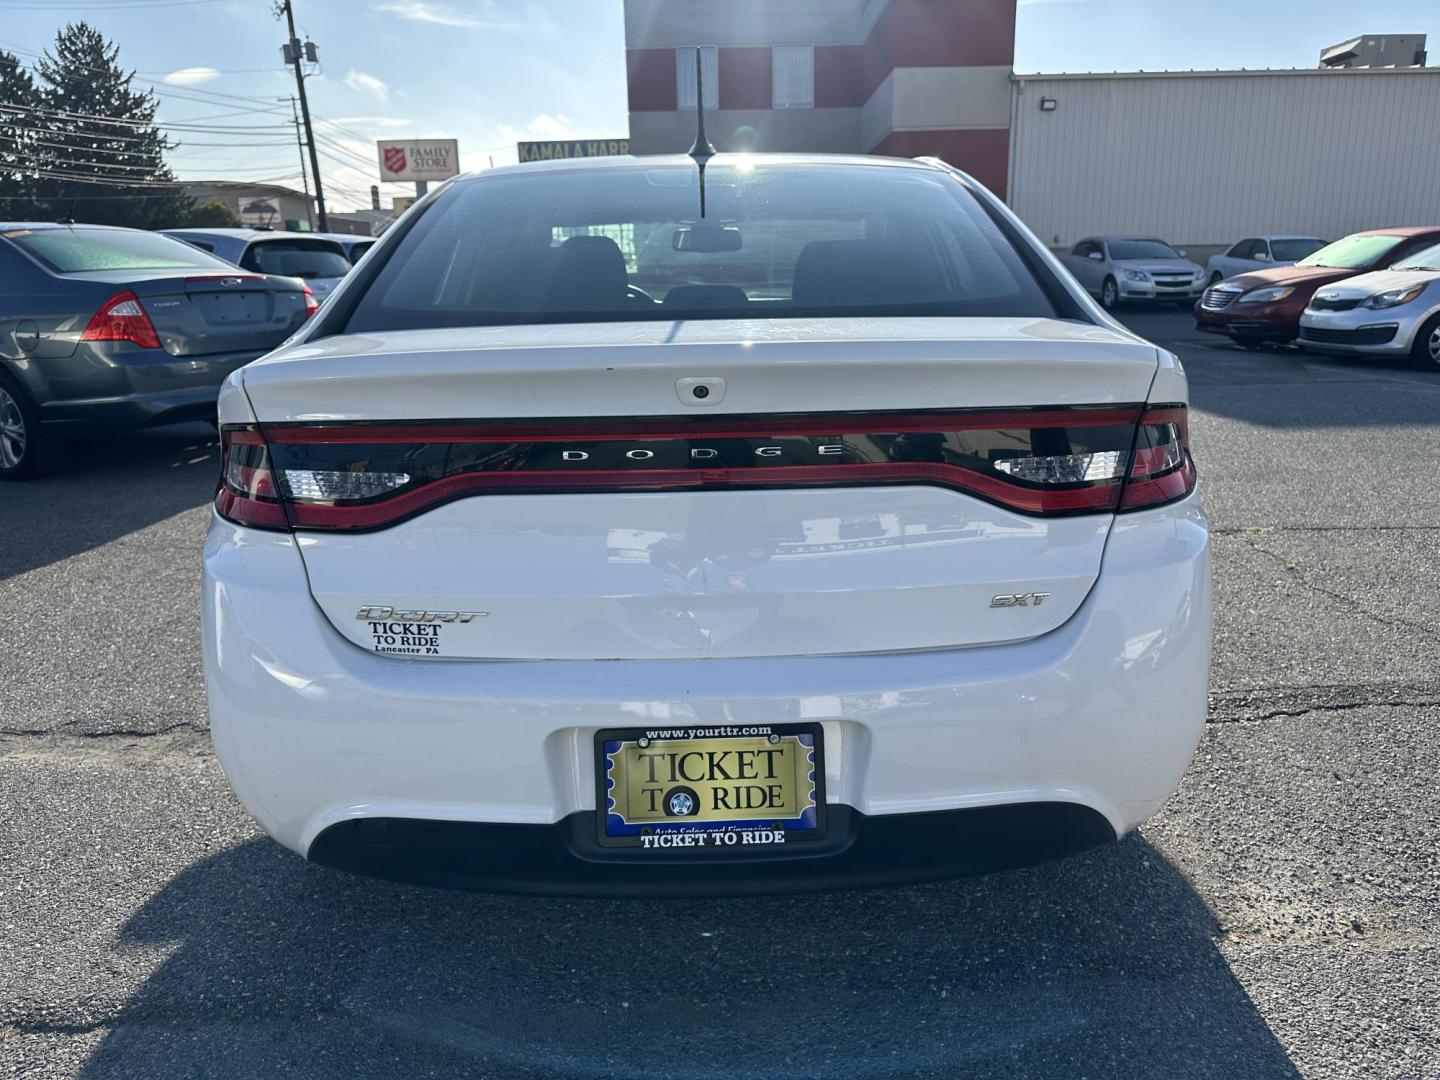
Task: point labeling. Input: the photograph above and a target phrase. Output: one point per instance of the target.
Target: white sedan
(1260, 253)
(1394, 312)
(586, 543)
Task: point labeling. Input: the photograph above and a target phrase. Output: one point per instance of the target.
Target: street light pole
(295, 55)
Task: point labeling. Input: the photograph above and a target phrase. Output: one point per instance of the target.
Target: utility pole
(300, 146)
(295, 55)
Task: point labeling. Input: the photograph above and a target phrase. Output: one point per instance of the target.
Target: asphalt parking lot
(1280, 918)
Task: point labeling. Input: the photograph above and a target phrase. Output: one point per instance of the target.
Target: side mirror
(1097, 256)
(1260, 256)
(1180, 252)
(706, 238)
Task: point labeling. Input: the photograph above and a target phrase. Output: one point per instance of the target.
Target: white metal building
(1206, 158)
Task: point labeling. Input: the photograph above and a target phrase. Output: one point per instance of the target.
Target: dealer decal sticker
(410, 632)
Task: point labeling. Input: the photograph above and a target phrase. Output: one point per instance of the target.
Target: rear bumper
(144, 390)
(1102, 713)
(564, 859)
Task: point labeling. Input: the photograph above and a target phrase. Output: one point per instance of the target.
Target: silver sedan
(1389, 312)
(1260, 253)
(1131, 269)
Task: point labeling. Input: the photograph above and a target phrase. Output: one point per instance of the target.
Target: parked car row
(1368, 292)
(1141, 269)
(106, 328)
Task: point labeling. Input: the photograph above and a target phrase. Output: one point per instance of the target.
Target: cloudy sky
(491, 72)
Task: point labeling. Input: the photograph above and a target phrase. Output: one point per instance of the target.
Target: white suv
(586, 544)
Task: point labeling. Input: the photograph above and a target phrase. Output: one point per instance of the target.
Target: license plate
(710, 788)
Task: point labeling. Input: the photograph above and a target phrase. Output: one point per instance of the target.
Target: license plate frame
(750, 834)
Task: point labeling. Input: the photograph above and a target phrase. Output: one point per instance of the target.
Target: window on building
(685, 76)
(794, 76)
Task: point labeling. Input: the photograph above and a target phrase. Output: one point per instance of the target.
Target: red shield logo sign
(395, 159)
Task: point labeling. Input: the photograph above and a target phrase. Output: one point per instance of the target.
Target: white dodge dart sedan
(629, 527)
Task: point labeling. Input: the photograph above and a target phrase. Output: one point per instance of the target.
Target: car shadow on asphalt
(102, 488)
(1103, 965)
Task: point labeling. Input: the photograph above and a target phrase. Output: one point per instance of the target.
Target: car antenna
(702, 151)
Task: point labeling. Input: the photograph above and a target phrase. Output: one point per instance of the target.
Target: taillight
(1048, 461)
(311, 304)
(121, 318)
(247, 494)
(1077, 460)
(1161, 469)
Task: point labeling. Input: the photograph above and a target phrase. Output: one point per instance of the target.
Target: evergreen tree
(212, 215)
(102, 141)
(20, 145)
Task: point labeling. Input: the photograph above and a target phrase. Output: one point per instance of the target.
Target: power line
(173, 185)
(96, 119)
(185, 93)
(186, 144)
(97, 5)
(49, 200)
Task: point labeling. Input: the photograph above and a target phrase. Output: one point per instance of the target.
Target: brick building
(903, 77)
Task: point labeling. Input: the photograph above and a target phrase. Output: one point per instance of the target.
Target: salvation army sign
(418, 159)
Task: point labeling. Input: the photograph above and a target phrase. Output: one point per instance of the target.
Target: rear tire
(22, 444)
(1109, 295)
(1425, 353)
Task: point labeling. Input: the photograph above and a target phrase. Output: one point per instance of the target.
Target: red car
(1265, 305)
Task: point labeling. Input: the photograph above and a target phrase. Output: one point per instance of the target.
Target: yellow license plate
(714, 788)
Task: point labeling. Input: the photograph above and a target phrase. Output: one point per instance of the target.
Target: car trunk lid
(204, 314)
(565, 496)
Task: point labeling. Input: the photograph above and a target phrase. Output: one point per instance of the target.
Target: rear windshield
(1294, 250)
(79, 250)
(1352, 252)
(297, 258)
(356, 250)
(778, 240)
(1141, 249)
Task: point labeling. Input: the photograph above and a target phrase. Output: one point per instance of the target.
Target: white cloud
(546, 126)
(191, 76)
(439, 14)
(501, 139)
(374, 121)
(367, 84)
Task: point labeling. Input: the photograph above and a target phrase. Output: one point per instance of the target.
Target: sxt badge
(1024, 599)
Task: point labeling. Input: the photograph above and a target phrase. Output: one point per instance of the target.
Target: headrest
(588, 271)
(866, 272)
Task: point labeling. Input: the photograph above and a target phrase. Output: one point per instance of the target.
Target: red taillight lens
(1051, 461)
(311, 304)
(1161, 469)
(121, 318)
(247, 494)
